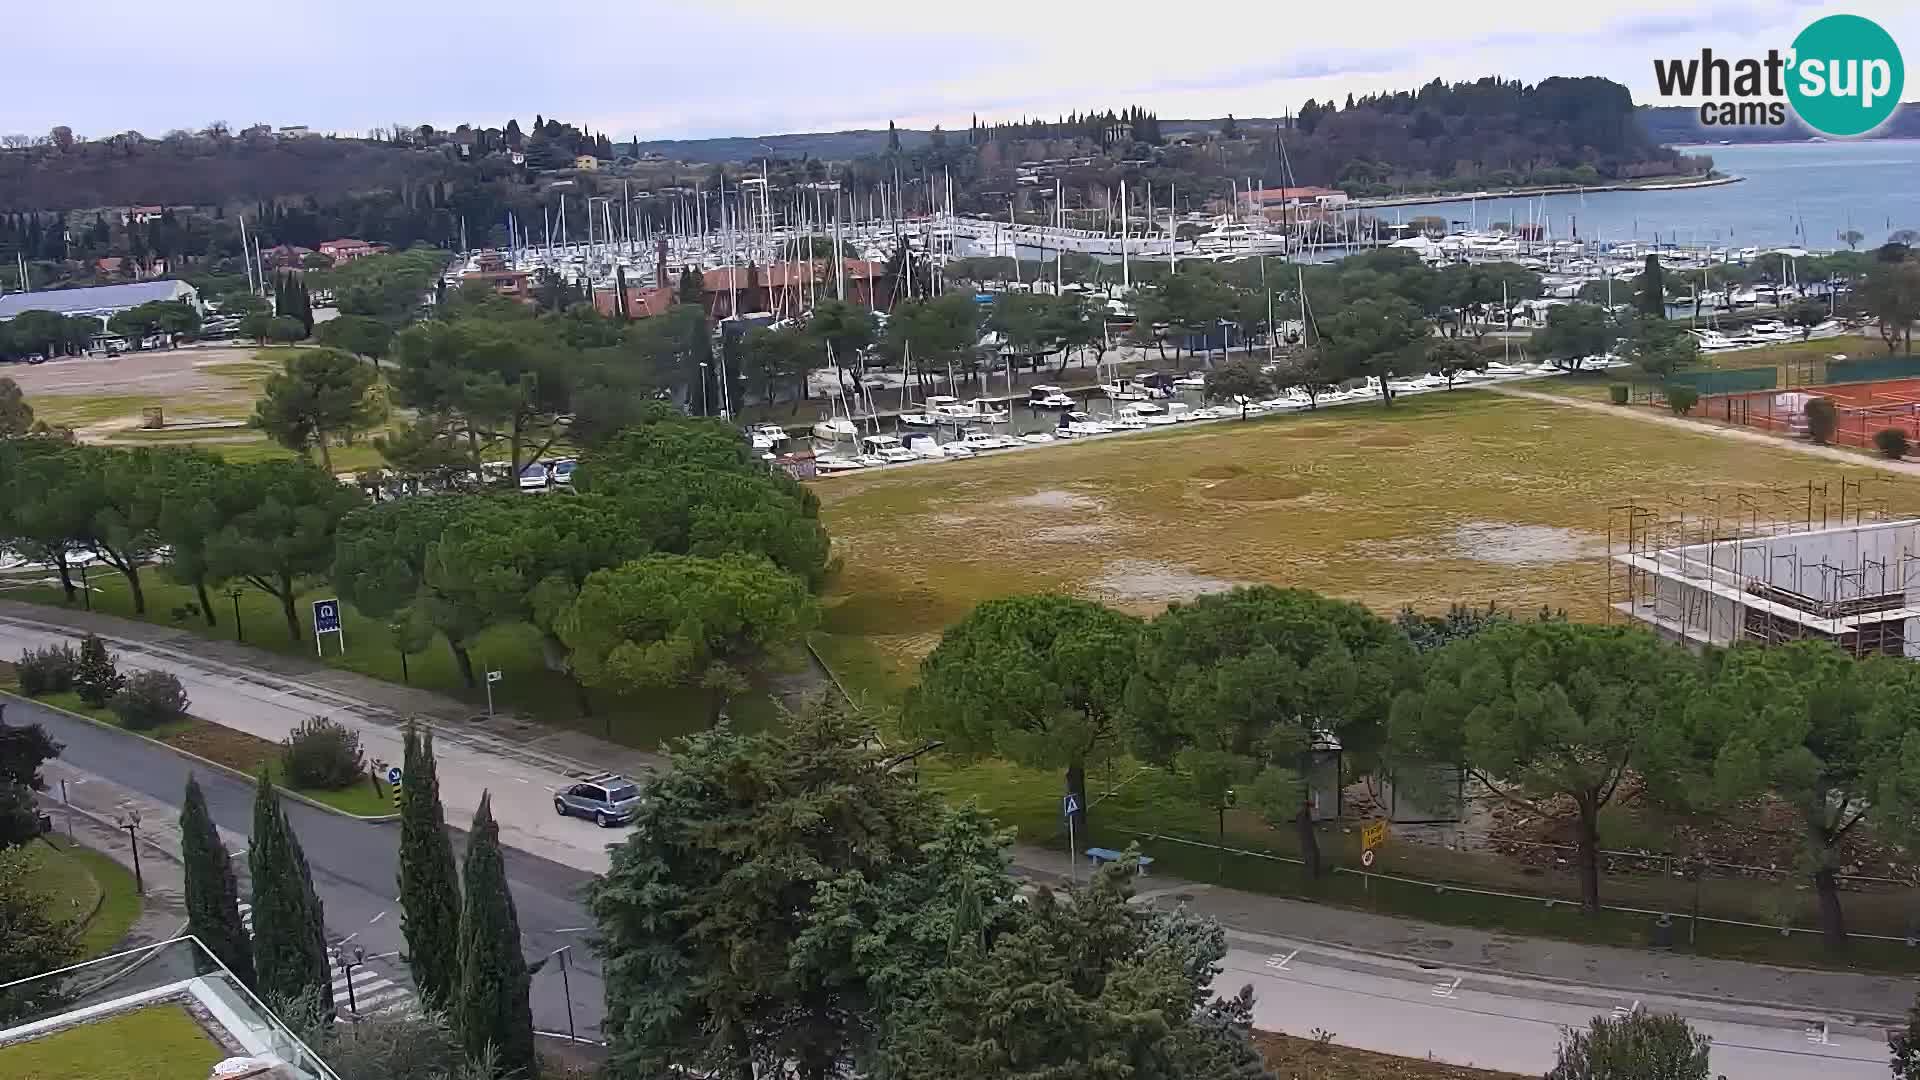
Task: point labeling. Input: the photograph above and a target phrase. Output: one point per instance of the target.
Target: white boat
(1142, 408)
(1036, 437)
(888, 449)
(924, 447)
(956, 450)
(1042, 396)
(1180, 412)
(766, 436)
(986, 440)
(921, 419)
(1123, 390)
(835, 463)
(835, 429)
(1191, 382)
(981, 411)
(946, 409)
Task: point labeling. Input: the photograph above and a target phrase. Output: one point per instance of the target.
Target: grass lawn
(1291, 1058)
(1466, 497)
(159, 1042)
(234, 749)
(74, 878)
(526, 686)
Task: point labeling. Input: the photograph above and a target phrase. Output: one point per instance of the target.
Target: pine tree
(493, 1008)
(289, 925)
(213, 894)
(96, 679)
(429, 889)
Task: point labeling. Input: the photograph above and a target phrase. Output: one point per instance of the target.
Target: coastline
(1528, 192)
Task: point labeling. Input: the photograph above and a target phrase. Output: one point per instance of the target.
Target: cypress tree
(213, 894)
(493, 1007)
(429, 891)
(289, 933)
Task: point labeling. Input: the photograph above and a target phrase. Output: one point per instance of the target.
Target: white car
(534, 477)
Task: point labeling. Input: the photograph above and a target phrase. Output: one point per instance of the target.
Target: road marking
(1279, 963)
(376, 918)
(1626, 1010)
(1817, 1033)
(1446, 989)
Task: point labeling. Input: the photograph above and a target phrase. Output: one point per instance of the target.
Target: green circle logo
(1846, 75)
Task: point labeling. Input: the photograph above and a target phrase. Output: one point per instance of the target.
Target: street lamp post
(86, 586)
(239, 631)
(566, 988)
(703, 388)
(130, 821)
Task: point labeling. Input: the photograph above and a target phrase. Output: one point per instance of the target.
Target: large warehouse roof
(98, 300)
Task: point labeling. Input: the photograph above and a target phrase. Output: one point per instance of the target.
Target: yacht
(987, 440)
(921, 419)
(1042, 396)
(956, 450)
(1123, 390)
(947, 409)
(835, 428)
(923, 446)
(887, 448)
(1036, 437)
(1191, 382)
(766, 436)
(981, 411)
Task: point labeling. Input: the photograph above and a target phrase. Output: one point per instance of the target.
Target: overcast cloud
(750, 67)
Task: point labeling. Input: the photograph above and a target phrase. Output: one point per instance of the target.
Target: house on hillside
(587, 163)
(142, 215)
(347, 250)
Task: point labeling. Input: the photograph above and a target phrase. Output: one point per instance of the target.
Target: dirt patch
(234, 749)
(1258, 487)
(1143, 581)
(1056, 499)
(1509, 544)
(898, 610)
(1311, 431)
(1088, 530)
(1218, 472)
(1289, 1057)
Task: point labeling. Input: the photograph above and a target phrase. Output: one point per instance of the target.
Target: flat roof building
(102, 301)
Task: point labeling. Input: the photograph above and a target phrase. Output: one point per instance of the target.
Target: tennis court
(1863, 409)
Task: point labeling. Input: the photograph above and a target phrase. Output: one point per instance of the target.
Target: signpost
(326, 620)
(1372, 835)
(1070, 806)
(492, 677)
(394, 778)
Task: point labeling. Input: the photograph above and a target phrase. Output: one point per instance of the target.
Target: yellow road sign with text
(1372, 835)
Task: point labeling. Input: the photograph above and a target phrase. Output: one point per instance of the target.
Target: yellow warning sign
(1372, 835)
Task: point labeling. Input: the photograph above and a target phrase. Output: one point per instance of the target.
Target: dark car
(609, 799)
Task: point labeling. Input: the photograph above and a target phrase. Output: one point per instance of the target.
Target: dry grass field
(1449, 497)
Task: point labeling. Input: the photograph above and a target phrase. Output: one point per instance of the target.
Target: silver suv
(609, 799)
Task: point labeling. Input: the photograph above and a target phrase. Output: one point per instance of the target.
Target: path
(1709, 427)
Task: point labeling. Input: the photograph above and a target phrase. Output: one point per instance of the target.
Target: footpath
(267, 694)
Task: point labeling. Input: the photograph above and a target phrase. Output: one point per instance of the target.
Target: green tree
(488, 383)
(779, 894)
(258, 325)
(1084, 987)
(16, 416)
(284, 534)
(1658, 347)
(1037, 679)
(1574, 333)
(429, 887)
(46, 505)
(1890, 295)
(1265, 675)
(1903, 1046)
(35, 941)
(673, 620)
(774, 356)
(1819, 729)
(361, 335)
(97, 678)
(212, 892)
(317, 396)
(198, 503)
(492, 1008)
(382, 555)
(1241, 381)
(123, 495)
(289, 922)
(285, 330)
(1448, 357)
(1638, 1046)
(1544, 710)
(1806, 315)
(1650, 290)
(1373, 337)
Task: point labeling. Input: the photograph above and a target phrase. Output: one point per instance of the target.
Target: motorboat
(1042, 396)
(986, 440)
(922, 419)
(1190, 382)
(981, 411)
(1036, 437)
(1123, 390)
(888, 449)
(1142, 408)
(923, 446)
(1180, 412)
(835, 429)
(946, 409)
(956, 450)
(836, 463)
(766, 436)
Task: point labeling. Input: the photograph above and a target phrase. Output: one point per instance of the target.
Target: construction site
(1823, 560)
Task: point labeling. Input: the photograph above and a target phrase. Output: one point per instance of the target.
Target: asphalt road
(355, 865)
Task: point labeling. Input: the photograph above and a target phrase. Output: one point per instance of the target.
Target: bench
(1102, 856)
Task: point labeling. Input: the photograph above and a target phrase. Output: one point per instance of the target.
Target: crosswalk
(360, 993)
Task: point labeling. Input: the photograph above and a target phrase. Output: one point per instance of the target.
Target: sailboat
(831, 427)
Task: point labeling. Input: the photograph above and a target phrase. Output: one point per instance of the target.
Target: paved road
(354, 864)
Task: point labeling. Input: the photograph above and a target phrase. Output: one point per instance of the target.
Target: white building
(101, 301)
(1855, 585)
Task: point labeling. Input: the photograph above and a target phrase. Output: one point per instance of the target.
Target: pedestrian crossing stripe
(366, 993)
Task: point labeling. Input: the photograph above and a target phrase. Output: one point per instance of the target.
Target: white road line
(1627, 1010)
(1279, 963)
(1446, 989)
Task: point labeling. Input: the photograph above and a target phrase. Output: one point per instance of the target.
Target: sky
(756, 67)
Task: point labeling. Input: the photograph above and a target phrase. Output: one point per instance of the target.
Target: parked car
(563, 470)
(609, 799)
(533, 477)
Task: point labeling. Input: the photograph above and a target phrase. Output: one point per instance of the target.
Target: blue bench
(1102, 856)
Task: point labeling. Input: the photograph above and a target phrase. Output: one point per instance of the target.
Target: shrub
(1618, 392)
(1638, 1044)
(47, 671)
(150, 699)
(1891, 442)
(1822, 420)
(1681, 399)
(322, 753)
(95, 678)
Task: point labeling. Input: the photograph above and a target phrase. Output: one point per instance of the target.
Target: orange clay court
(1864, 408)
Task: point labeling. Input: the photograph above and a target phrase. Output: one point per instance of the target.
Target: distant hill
(1679, 124)
(822, 145)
